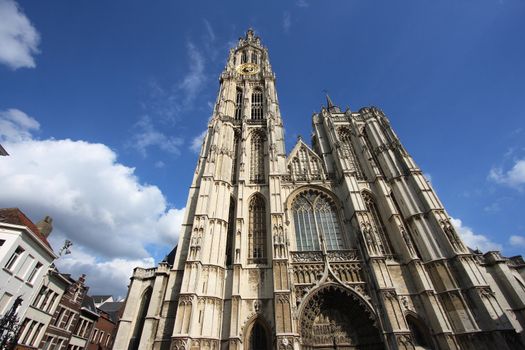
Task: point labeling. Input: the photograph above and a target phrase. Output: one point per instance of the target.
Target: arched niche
(420, 333)
(141, 317)
(258, 335)
(333, 317)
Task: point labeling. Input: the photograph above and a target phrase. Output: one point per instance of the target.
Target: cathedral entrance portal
(333, 318)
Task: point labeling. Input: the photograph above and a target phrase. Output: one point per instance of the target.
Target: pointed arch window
(235, 155)
(315, 219)
(348, 152)
(230, 233)
(244, 57)
(257, 158)
(257, 231)
(257, 104)
(254, 57)
(377, 224)
(238, 104)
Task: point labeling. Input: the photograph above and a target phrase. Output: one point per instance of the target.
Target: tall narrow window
(230, 233)
(235, 155)
(348, 153)
(14, 258)
(257, 230)
(244, 58)
(257, 104)
(254, 57)
(377, 224)
(257, 158)
(315, 219)
(238, 104)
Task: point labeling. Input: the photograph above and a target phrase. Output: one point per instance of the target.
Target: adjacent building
(43, 306)
(25, 257)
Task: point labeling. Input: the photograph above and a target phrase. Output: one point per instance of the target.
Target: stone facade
(341, 245)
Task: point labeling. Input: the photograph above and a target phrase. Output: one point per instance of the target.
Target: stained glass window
(315, 218)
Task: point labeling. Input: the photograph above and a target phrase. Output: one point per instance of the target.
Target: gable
(304, 164)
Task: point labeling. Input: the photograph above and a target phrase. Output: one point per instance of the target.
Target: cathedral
(339, 245)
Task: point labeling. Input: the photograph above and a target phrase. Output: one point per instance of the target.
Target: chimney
(45, 226)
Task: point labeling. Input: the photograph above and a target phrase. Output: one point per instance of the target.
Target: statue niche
(334, 318)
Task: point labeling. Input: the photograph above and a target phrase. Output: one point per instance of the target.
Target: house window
(34, 272)
(257, 230)
(315, 219)
(14, 258)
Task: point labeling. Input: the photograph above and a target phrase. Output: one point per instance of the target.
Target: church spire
(330, 105)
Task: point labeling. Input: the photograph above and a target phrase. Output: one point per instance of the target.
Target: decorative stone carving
(342, 255)
(306, 256)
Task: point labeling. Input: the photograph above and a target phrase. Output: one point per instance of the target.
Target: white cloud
(302, 3)
(95, 201)
(103, 277)
(517, 241)
(473, 240)
(18, 38)
(194, 80)
(514, 177)
(148, 136)
(287, 21)
(15, 125)
(209, 30)
(196, 143)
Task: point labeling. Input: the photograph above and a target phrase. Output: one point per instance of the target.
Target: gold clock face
(248, 69)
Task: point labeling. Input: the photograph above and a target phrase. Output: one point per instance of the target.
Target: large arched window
(257, 158)
(315, 219)
(257, 104)
(238, 104)
(257, 231)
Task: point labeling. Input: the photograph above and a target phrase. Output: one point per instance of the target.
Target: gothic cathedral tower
(342, 245)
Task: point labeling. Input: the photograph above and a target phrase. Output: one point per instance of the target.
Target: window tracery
(257, 104)
(238, 104)
(257, 231)
(257, 158)
(348, 152)
(377, 224)
(315, 220)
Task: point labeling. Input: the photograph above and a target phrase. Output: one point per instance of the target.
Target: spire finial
(329, 102)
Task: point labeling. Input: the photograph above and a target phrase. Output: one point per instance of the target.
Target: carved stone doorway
(335, 318)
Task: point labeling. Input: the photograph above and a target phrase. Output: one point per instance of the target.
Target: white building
(25, 257)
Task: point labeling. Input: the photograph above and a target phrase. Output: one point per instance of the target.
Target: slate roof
(16, 217)
(112, 308)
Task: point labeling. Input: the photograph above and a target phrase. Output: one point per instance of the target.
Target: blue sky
(102, 104)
